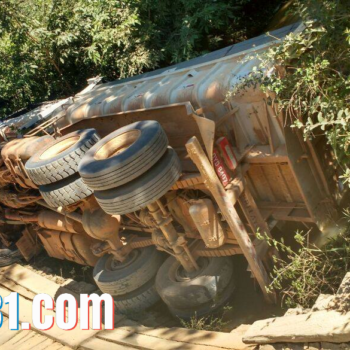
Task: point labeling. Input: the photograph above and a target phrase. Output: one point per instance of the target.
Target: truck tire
(9, 256)
(119, 278)
(123, 155)
(60, 159)
(65, 192)
(194, 291)
(144, 190)
(209, 308)
(137, 300)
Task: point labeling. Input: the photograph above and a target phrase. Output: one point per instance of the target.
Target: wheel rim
(59, 147)
(117, 145)
(112, 264)
(181, 275)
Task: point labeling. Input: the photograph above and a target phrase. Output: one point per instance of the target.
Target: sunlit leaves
(48, 48)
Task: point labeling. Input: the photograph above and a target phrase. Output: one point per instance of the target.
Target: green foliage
(307, 78)
(306, 272)
(207, 323)
(48, 48)
(309, 81)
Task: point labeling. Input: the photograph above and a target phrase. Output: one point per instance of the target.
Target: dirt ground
(244, 307)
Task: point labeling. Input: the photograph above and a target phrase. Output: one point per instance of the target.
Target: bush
(303, 274)
(48, 48)
(307, 78)
(307, 75)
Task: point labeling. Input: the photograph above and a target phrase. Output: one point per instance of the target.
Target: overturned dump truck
(158, 180)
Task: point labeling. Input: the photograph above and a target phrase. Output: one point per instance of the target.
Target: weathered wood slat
(262, 154)
(320, 326)
(128, 335)
(100, 344)
(202, 338)
(171, 339)
(71, 338)
(5, 333)
(30, 280)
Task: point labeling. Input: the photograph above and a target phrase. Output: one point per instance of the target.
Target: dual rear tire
(55, 168)
(130, 168)
(138, 283)
(198, 293)
(132, 282)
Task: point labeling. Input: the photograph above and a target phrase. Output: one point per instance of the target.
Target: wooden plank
(318, 326)
(229, 212)
(15, 342)
(291, 182)
(9, 284)
(277, 205)
(47, 344)
(132, 339)
(12, 339)
(58, 346)
(156, 340)
(298, 215)
(271, 178)
(101, 344)
(262, 154)
(71, 338)
(5, 333)
(261, 184)
(30, 280)
(193, 337)
(31, 341)
(284, 186)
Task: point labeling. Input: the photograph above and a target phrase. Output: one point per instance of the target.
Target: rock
(318, 326)
(312, 346)
(241, 329)
(282, 346)
(295, 311)
(322, 302)
(332, 346)
(345, 285)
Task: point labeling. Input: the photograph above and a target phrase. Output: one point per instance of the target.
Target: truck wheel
(137, 300)
(204, 290)
(119, 278)
(144, 190)
(123, 155)
(65, 192)
(209, 308)
(9, 256)
(60, 159)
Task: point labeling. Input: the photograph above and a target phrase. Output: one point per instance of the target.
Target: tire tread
(66, 195)
(61, 168)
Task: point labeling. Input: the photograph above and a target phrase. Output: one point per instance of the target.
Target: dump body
(243, 169)
(290, 179)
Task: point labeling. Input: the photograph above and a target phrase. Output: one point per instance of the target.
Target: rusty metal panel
(69, 246)
(29, 244)
(176, 120)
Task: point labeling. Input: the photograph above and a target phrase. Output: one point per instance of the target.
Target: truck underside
(158, 180)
